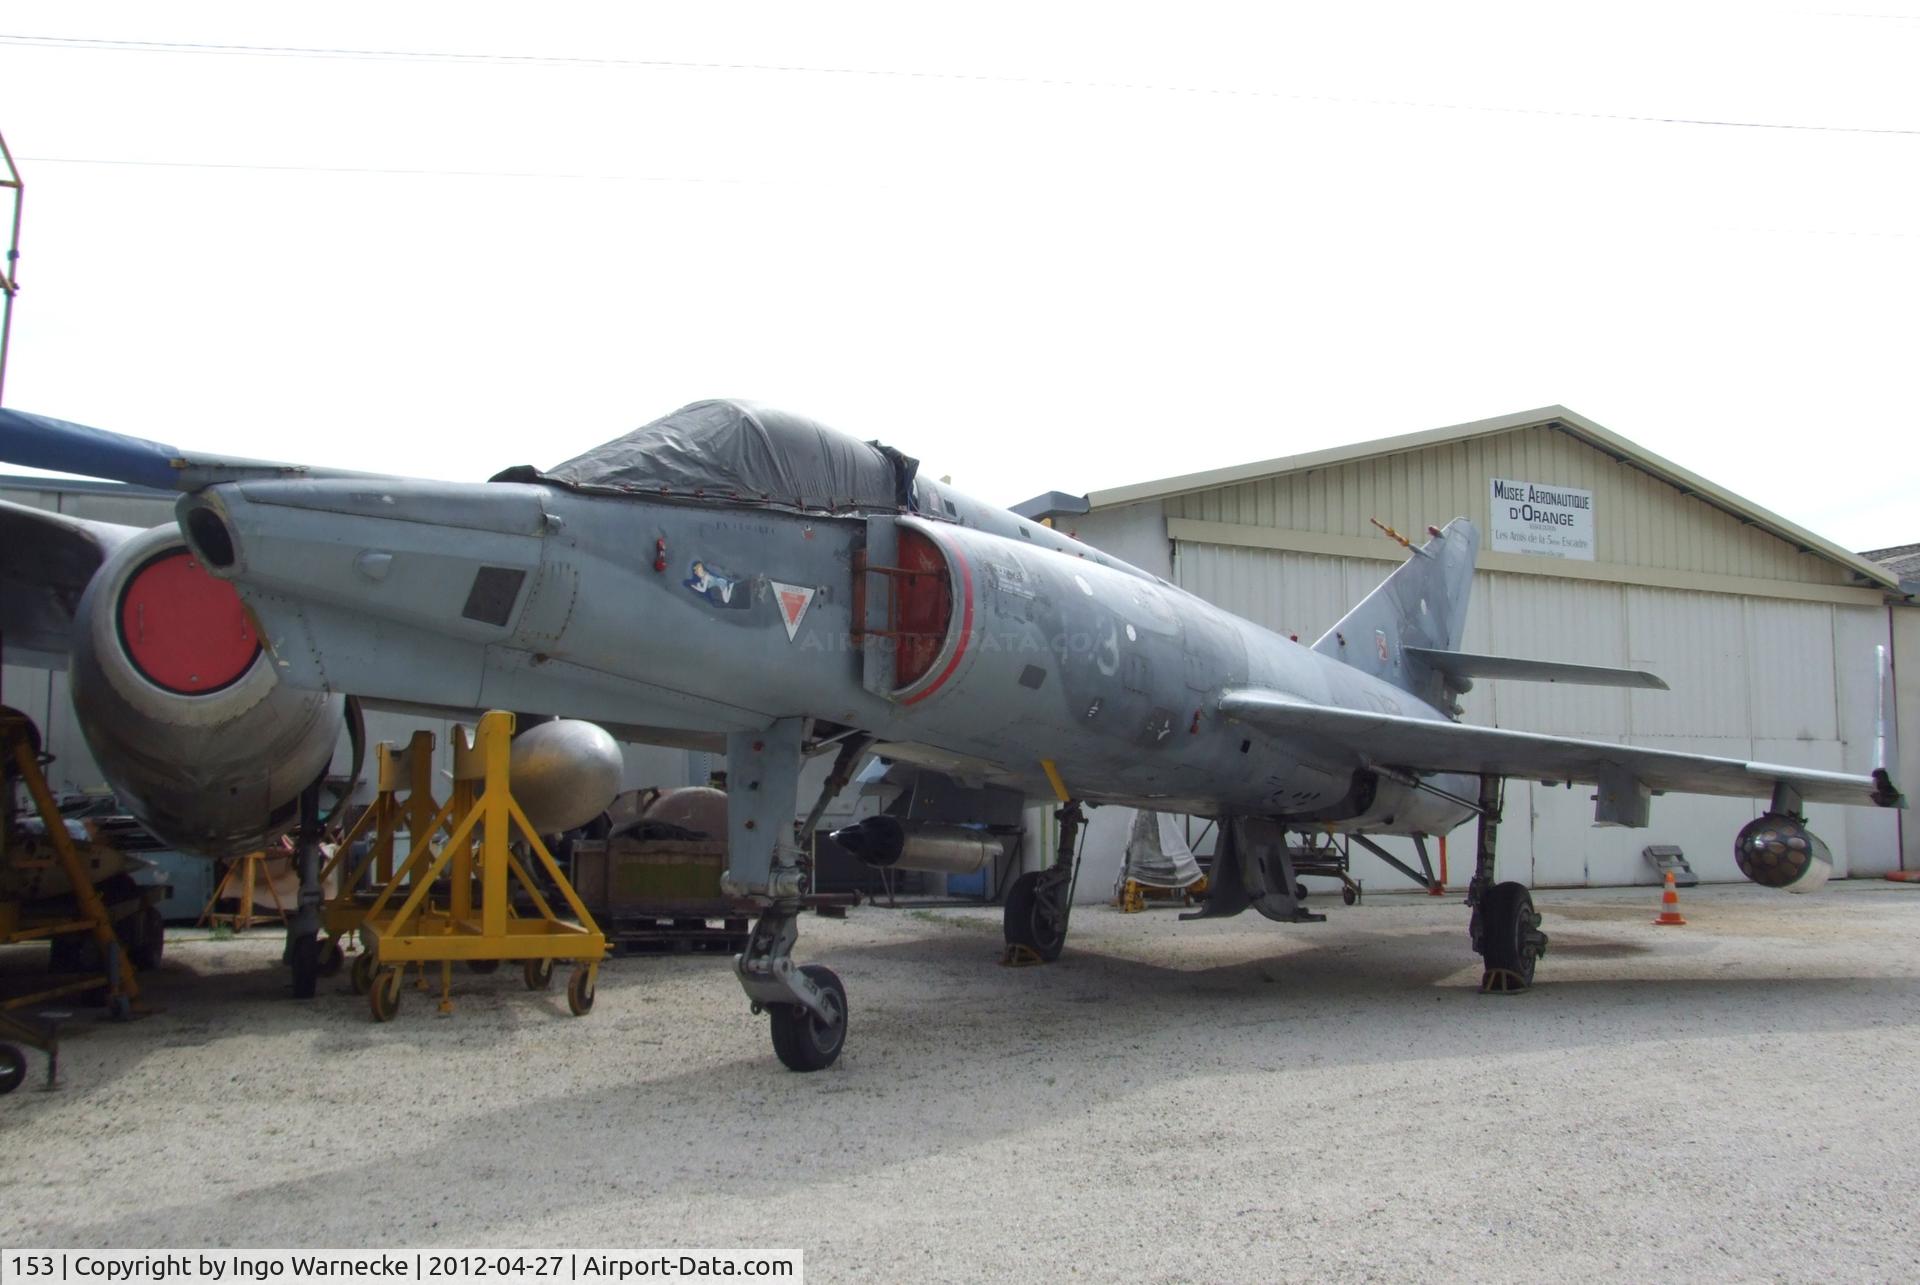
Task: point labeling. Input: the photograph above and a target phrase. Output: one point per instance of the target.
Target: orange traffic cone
(1670, 904)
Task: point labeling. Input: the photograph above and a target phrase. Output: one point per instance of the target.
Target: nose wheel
(1040, 903)
(1033, 917)
(807, 1041)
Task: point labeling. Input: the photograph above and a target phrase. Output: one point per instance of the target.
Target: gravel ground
(1220, 1101)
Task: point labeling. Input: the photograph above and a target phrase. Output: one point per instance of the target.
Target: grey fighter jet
(735, 577)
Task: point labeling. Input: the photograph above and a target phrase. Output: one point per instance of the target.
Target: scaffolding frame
(10, 270)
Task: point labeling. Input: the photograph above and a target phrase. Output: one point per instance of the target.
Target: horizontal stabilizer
(1437, 745)
(1465, 664)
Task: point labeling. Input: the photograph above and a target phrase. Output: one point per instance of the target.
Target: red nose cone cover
(184, 630)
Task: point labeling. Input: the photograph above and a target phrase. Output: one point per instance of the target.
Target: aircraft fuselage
(983, 645)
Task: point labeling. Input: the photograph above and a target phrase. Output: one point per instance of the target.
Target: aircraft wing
(46, 560)
(1436, 745)
(39, 441)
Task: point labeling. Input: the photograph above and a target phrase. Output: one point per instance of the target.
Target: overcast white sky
(1039, 248)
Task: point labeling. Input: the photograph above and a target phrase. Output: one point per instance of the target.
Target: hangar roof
(1902, 559)
(1554, 417)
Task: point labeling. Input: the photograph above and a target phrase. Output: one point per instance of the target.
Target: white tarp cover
(1157, 852)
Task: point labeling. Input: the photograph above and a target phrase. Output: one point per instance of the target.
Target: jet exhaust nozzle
(181, 705)
(886, 842)
(1777, 851)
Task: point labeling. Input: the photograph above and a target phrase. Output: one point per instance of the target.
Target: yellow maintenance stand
(479, 922)
(23, 761)
(403, 800)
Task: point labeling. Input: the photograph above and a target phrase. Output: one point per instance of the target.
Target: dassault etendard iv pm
(734, 577)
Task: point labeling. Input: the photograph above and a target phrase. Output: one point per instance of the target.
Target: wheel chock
(1502, 981)
(1017, 956)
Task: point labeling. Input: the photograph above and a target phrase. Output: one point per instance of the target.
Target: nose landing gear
(1040, 902)
(807, 1005)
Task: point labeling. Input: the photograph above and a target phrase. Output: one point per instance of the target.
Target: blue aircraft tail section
(1422, 605)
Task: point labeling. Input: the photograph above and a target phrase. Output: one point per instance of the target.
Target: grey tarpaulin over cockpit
(1157, 852)
(739, 453)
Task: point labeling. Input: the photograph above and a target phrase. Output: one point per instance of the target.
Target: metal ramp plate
(1664, 857)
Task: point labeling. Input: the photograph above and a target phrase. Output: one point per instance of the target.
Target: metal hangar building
(1592, 550)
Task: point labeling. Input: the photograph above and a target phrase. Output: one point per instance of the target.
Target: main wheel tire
(362, 972)
(306, 966)
(802, 1041)
(538, 974)
(580, 988)
(384, 995)
(1026, 922)
(13, 1068)
(1509, 929)
(332, 957)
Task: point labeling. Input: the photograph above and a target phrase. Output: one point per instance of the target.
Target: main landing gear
(1040, 902)
(1505, 927)
(303, 934)
(807, 1006)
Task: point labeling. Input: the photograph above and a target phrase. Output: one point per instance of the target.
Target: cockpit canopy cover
(739, 453)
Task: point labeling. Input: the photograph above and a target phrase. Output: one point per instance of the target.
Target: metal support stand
(43, 1035)
(480, 924)
(23, 753)
(10, 272)
(251, 872)
(1423, 876)
(403, 799)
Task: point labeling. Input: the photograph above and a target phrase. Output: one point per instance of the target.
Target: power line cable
(988, 78)
(369, 169)
(681, 178)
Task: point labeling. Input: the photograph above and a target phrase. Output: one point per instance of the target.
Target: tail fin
(1422, 604)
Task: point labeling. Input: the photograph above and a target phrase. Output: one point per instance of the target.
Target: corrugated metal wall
(1641, 521)
(1762, 677)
